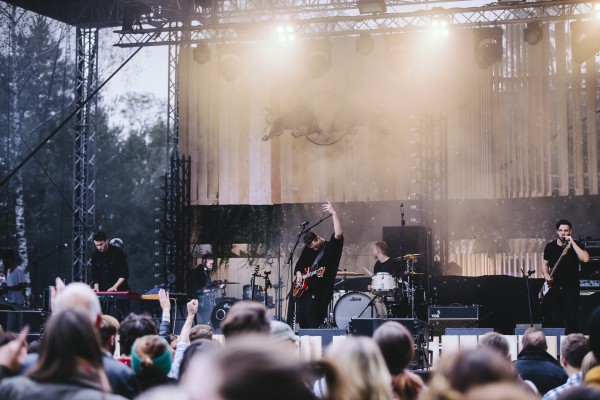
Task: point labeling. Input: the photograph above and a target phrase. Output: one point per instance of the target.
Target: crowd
(87, 355)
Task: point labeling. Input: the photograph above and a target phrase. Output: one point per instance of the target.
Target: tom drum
(383, 283)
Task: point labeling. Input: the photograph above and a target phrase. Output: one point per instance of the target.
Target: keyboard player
(109, 266)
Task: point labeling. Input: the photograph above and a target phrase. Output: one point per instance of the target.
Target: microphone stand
(526, 276)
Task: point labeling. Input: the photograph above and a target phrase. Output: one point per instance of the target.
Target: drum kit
(390, 296)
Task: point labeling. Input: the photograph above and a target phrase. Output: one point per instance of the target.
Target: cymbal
(230, 283)
(349, 273)
(409, 257)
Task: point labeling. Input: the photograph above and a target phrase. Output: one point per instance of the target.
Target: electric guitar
(300, 288)
(548, 285)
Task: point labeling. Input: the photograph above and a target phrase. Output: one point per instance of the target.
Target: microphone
(302, 225)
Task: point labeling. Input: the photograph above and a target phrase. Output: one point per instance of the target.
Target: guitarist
(562, 276)
(312, 303)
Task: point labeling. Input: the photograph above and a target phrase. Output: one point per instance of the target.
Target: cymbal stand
(268, 285)
(411, 289)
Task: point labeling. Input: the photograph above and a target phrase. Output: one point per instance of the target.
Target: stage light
(202, 53)
(318, 58)
(488, 46)
(286, 33)
(371, 6)
(585, 40)
(439, 26)
(230, 62)
(365, 44)
(532, 34)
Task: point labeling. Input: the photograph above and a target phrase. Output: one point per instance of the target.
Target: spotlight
(439, 26)
(371, 6)
(230, 62)
(285, 33)
(202, 53)
(364, 44)
(318, 58)
(532, 34)
(585, 40)
(488, 46)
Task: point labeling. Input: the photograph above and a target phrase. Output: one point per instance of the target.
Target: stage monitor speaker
(589, 300)
(326, 334)
(467, 331)
(547, 331)
(14, 321)
(366, 327)
(416, 240)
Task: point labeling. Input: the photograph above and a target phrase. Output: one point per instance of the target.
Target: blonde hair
(362, 370)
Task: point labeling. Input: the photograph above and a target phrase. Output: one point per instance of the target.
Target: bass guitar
(300, 288)
(548, 285)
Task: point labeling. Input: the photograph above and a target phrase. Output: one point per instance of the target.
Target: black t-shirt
(322, 287)
(567, 272)
(108, 267)
(390, 266)
(198, 280)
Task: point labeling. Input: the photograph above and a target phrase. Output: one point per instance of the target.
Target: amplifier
(436, 313)
(589, 284)
(442, 317)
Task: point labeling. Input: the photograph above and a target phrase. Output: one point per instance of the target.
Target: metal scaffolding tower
(84, 157)
(433, 135)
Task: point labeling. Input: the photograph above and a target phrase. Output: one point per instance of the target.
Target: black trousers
(562, 308)
(310, 313)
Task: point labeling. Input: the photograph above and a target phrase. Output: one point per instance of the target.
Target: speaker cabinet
(14, 321)
(415, 239)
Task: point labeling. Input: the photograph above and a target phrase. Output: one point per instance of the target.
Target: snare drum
(383, 283)
(352, 304)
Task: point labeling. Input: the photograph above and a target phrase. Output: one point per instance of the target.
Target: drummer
(384, 263)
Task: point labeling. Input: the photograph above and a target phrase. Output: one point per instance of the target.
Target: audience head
(534, 338)
(151, 353)
(495, 342)
(201, 331)
(573, 349)
(500, 391)
(80, 296)
(247, 367)
(589, 362)
(461, 371)
(362, 370)
(196, 347)
(163, 392)
(396, 344)
(70, 342)
(594, 334)
(108, 333)
(246, 317)
(135, 326)
(283, 332)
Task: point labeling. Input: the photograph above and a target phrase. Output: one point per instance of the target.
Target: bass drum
(352, 304)
(220, 311)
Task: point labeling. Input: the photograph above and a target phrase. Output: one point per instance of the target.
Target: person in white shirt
(15, 279)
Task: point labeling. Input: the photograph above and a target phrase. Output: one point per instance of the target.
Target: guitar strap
(315, 264)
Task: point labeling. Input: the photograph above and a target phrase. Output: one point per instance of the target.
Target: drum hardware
(408, 257)
(220, 310)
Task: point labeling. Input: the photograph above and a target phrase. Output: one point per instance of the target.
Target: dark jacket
(24, 388)
(536, 365)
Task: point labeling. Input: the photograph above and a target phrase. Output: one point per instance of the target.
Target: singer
(109, 265)
(561, 271)
(318, 254)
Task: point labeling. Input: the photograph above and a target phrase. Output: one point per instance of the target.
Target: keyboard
(125, 295)
(172, 296)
